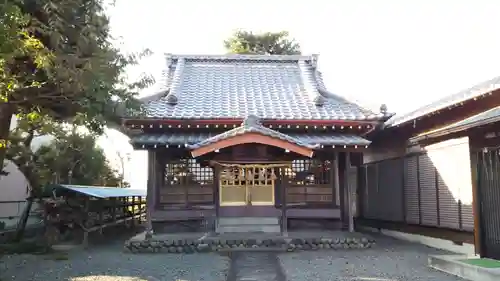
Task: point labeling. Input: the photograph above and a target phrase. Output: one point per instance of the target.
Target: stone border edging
(437, 243)
(190, 246)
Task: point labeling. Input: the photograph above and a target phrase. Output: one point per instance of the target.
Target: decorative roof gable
(235, 86)
(252, 124)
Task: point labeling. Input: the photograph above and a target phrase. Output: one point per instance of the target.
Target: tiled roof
(235, 86)
(252, 125)
(462, 96)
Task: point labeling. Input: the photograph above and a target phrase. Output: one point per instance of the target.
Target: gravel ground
(390, 260)
(109, 263)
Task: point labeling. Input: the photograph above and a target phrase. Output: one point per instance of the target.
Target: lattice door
(248, 185)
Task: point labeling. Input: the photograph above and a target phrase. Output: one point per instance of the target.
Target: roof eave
(454, 129)
(230, 121)
(403, 120)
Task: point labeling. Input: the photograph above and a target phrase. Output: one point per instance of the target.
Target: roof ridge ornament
(383, 109)
(172, 99)
(314, 60)
(319, 100)
(168, 58)
(252, 121)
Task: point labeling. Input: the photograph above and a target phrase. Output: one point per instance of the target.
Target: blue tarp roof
(102, 192)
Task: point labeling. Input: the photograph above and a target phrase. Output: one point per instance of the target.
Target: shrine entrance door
(247, 185)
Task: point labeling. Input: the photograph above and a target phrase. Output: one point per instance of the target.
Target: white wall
(14, 186)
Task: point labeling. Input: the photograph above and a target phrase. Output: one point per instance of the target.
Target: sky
(402, 53)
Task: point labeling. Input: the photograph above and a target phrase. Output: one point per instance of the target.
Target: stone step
(249, 221)
(248, 228)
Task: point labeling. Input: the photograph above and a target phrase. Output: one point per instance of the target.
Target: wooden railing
(187, 195)
(310, 194)
(196, 195)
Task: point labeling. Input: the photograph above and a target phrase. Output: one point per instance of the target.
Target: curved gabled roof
(253, 125)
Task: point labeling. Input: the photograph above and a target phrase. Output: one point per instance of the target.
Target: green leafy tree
(74, 158)
(70, 157)
(58, 62)
(268, 43)
(15, 41)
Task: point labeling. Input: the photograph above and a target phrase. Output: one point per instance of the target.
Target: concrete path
(253, 266)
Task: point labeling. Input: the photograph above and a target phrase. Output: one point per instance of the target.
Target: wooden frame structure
(90, 209)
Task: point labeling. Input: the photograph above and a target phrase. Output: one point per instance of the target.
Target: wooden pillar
(335, 181)
(133, 211)
(216, 201)
(341, 182)
(348, 193)
(151, 192)
(113, 209)
(86, 225)
(159, 178)
(283, 182)
(476, 207)
(101, 209)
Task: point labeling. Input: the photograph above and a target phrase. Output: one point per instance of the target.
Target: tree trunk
(6, 112)
(34, 192)
(21, 225)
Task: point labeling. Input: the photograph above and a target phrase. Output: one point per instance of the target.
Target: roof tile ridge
(176, 83)
(249, 57)
(166, 81)
(310, 83)
(330, 95)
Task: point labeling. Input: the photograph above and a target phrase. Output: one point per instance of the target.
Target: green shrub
(23, 247)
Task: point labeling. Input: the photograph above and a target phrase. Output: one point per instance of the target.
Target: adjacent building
(436, 168)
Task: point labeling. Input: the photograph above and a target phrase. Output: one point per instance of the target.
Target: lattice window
(188, 172)
(310, 183)
(310, 172)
